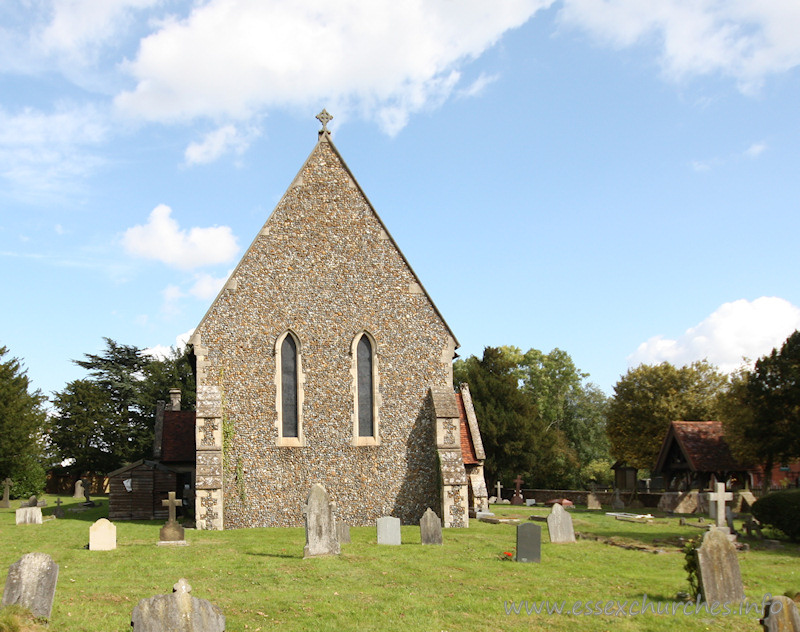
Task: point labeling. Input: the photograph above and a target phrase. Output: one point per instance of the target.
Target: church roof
(325, 138)
(702, 444)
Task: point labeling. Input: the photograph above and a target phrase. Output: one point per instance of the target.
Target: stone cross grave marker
(6, 503)
(389, 530)
(178, 612)
(31, 583)
(78, 489)
(430, 528)
(559, 524)
(517, 499)
(29, 515)
(529, 542)
(172, 532)
(718, 569)
(780, 615)
(58, 512)
(103, 536)
(592, 502)
(321, 535)
(499, 486)
(716, 504)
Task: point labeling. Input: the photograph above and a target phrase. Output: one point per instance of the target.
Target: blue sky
(616, 178)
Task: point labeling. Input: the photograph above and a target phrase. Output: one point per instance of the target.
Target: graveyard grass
(259, 579)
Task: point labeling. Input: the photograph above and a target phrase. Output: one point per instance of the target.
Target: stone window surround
(375, 439)
(299, 440)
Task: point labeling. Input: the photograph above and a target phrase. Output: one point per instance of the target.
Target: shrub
(780, 510)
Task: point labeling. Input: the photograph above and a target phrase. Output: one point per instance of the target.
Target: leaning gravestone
(430, 528)
(559, 524)
(529, 542)
(343, 532)
(31, 583)
(321, 536)
(103, 536)
(29, 515)
(718, 569)
(593, 502)
(78, 489)
(6, 502)
(388, 530)
(780, 615)
(178, 612)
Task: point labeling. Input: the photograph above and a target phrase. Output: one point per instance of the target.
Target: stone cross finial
(171, 502)
(324, 118)
(719, 497)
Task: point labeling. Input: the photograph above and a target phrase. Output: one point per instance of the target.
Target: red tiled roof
(703, 443)
(177, 442)
(467, 446)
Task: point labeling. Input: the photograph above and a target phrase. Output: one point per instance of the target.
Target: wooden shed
(136, 491)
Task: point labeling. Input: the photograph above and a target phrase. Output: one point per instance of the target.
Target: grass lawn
(259, 579)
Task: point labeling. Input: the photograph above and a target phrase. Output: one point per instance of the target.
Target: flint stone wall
(323, 267)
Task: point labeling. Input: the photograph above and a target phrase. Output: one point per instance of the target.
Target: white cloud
(737, 330)
(162, 239)
(207, 287)
(755, 150)
(218, 143)
(161, 352)
(744, 39)
(232, 58)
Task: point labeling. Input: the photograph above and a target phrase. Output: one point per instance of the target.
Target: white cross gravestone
(499, 486)
(716, 501)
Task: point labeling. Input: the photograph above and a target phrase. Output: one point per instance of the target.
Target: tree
(107, 419)
(761, 409)
(649, 397)
(22, 424)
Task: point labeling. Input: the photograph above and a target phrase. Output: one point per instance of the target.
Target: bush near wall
(780, 510)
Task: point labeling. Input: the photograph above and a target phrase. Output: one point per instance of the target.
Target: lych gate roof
(702, 444)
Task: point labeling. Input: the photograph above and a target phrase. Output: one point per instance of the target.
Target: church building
(324, 360)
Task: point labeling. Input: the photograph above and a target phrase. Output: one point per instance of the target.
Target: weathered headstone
(6, 502)
(430, 528)
(559, 524)
(172, 532)
(780, 615)
(58, 512)
(718, 569)
(729, 519)
(29, 515)
(716, 504)
(617, 503)
(31, 583)
(33, 501)
(388, 530)
(342, 532)
(78, 489)
(103, 536)
(529, 542)
(593, 502)
(517, 498)
(746, 500)
(178, 612)
(321, 536)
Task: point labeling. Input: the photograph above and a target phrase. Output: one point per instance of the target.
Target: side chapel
(324, 360)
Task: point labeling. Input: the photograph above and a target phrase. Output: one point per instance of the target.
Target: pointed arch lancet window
(289, 425)
(366, 414)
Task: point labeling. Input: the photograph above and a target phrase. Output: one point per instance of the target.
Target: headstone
(716, 504)
(321, 535)
(729, 519)
(780, 615)
(517, 498)
(6, 502)
(343, 532)
(103, 536)
(430, 528)
(33, 501)
(29, 515)
(718, 569)
(178, 612)
(593, 502)
(559, 524)
(58, 512)
(617, 503)
(31, 583)
(529, 542)
(499, 487)
(389, 530)
(746, 500)
(172, 532)
(78, 489)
